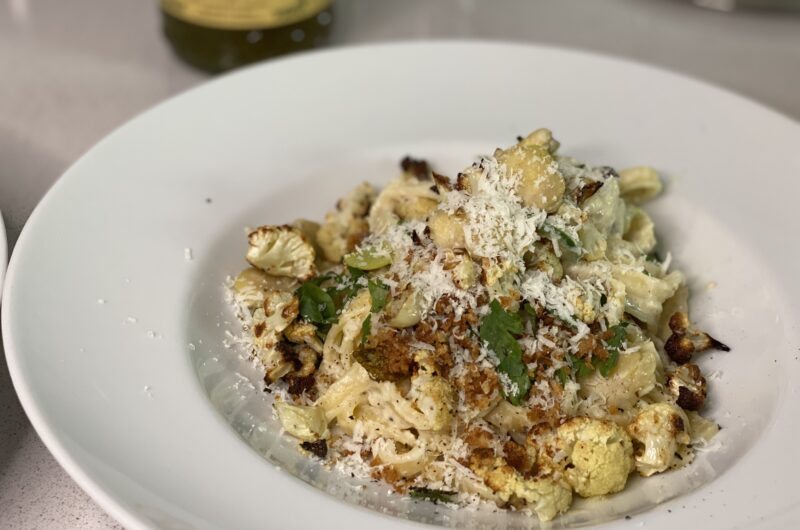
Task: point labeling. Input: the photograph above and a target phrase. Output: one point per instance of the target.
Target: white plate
(3, 251)
(114, 338)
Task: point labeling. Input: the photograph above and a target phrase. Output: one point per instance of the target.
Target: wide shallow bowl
(3, 251)
(115, 326)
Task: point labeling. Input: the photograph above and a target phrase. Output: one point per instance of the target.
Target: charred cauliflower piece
(278, 311)
(416, 167)
(543, 494)
(661, 429)
(685, 341)
(688, 386)
(346, 227)
(307, 360)
(599, 455)
(304, 333)
(281, 251)
(276, 360)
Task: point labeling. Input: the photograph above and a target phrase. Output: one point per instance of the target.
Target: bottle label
(243, 14)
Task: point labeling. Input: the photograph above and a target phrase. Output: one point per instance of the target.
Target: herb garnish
(321, 306)
(497, 330)
(379, 294)
(580, 367)
(607, 365)
(431, 494)
(366, 328)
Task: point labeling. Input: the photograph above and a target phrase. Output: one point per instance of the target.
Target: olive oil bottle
(217, 35)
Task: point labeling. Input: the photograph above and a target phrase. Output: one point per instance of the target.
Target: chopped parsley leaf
(606, 366)
(580, 367)
(497, 330)
(321, 306)
(366, 328)
(316, 305)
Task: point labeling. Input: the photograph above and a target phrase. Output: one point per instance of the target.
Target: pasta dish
(508, 335)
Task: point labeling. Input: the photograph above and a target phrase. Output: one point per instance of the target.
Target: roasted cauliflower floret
(251, 284)
(307, 358)
(688, 386)
(661, 430)
(304, 333)
(543, 494)
(278, 311)
(416, 167)
(546, 496)
(281, 251)
(685, 340)
(599, 455)
(276, 360)
(345, 227)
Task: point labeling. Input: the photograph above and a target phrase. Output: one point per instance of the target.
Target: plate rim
(115, 507)
(3, 253)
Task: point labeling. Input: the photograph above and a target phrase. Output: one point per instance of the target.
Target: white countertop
(73, 71)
